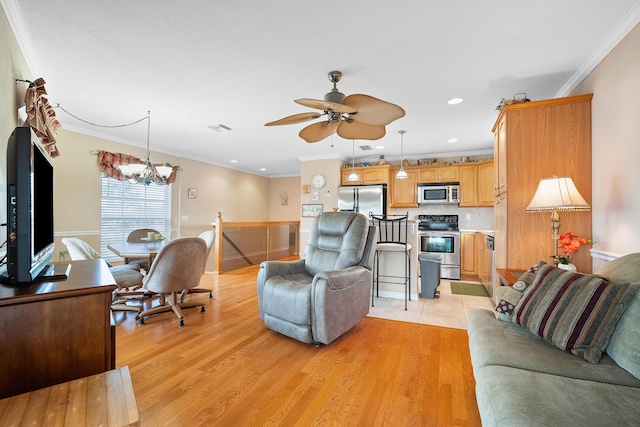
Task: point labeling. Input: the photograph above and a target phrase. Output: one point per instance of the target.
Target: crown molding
(16, 22)
(628, 23)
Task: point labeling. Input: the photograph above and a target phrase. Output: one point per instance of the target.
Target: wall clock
(318, 181)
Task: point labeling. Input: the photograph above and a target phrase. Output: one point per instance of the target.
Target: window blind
(126, 207)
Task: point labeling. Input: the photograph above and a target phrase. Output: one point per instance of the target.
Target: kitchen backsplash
(478, 218)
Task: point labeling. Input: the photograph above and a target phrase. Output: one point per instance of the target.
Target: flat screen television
(30, 244)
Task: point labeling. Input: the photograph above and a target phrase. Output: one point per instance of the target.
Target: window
(126, 207)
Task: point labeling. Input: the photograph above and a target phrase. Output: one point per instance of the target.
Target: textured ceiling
(196, 64)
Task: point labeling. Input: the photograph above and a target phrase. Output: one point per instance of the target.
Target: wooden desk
(137, 250)
(104, 399)
(56, 331)
(509, 276)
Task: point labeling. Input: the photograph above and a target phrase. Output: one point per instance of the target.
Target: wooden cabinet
(535, 140)
(468, 257)
(437, 174)
(368, 175)
(468, 186)
(403, 193)
(476, 184)
(57, 331)
(486, 178)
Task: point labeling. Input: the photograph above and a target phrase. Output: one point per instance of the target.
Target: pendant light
(401, 173)
(353, 176)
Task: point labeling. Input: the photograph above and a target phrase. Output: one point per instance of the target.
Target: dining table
(130, 250)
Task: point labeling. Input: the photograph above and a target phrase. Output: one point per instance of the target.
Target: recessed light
(454, 101)
(379, 147)
(234, 161)
(263, 169)
(452, 140)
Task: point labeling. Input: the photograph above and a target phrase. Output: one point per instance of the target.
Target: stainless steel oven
(447, 245)
(439, 235)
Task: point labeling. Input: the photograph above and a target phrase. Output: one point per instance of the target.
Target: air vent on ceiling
(219, 128)
(365, 147)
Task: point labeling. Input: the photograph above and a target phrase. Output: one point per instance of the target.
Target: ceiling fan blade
(318, 131)
(324, 105)
(357, 130)
(296, 118)
(373, 111)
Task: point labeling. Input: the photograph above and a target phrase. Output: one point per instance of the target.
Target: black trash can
(429, 274)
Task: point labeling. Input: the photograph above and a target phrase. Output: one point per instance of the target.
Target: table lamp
(557, 194)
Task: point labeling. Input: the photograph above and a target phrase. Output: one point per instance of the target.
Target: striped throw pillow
(575, 312)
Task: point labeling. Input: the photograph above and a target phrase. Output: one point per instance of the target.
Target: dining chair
(177, 267)
(392, 238)
(208, 237)
(127, 277)
(137, 236)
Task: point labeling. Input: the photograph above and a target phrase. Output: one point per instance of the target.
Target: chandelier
(146, 172)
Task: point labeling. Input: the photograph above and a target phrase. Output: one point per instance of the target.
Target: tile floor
(450, 310)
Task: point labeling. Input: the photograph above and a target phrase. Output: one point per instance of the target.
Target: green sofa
(524, 380)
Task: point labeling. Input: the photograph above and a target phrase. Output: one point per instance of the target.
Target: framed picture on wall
(310, 211)
(192, 193)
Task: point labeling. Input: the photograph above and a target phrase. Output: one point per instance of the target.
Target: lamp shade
(557, 194)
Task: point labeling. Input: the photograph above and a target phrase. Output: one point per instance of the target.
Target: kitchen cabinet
(468, 186)
(403, 193)
(367, 174)
(468, 253)
(437, 174)
(486, 178)
(476, 184)
(535, 140)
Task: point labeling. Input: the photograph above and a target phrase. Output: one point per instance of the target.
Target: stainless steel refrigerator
(363, 198)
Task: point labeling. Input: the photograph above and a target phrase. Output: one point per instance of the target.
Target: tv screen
(30, 244)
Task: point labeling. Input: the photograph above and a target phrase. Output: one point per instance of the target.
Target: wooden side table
(509, 276)
(104, 399)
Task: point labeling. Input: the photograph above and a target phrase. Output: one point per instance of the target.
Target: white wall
(615, 84)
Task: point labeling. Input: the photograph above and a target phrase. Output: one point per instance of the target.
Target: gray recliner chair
(317, 299)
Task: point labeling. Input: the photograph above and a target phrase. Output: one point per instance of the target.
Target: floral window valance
(40, 115)
(109, 162)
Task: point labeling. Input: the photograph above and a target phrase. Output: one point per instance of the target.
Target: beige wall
(615, 83)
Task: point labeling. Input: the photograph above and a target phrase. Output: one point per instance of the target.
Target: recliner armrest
(340, 279)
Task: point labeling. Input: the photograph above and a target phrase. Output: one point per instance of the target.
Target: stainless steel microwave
(439, 193)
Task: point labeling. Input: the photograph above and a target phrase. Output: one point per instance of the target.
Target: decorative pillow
(512, 295)
(575, 312)
(509, 300)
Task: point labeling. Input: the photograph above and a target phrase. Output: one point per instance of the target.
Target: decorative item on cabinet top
(515, 100)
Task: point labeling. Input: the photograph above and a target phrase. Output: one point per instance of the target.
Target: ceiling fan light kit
(351, 117)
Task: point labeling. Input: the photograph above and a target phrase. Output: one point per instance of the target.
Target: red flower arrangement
(570, 243)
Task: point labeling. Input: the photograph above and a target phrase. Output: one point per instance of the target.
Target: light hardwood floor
(225, 368)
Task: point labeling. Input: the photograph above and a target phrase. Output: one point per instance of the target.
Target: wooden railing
(241, 244)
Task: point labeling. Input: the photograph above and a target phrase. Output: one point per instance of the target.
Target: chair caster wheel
(181, 323)
(210, 295)
(140, 321)
(202, 309)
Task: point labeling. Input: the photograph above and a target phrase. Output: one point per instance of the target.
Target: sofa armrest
(270, 269)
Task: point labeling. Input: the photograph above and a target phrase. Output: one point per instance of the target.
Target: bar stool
(392, 237)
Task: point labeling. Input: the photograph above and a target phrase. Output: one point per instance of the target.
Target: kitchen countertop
(466, 230)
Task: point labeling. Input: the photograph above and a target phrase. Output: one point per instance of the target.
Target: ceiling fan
(352, 117)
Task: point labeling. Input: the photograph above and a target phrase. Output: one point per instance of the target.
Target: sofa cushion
(507, 297)
(624, 346)
(575, 312)
(495, 342)
(515, 397)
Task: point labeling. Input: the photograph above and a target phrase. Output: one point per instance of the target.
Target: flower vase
(569, 267)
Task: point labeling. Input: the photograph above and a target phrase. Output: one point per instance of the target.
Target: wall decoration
(284, 198)
(310, 211)
(192, 193)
